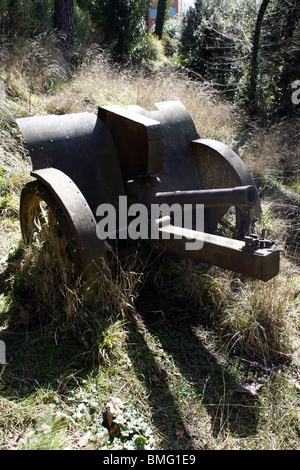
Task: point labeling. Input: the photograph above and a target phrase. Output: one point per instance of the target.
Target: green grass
(172, 339)
(167, 359)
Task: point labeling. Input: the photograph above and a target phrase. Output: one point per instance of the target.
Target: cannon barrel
(239, 196)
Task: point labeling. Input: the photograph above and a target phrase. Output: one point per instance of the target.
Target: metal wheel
(221, 167)
(44, 226)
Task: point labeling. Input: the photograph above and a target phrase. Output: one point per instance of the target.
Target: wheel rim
(42, 229)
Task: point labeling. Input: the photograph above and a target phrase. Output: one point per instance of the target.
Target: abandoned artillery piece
(85, 161)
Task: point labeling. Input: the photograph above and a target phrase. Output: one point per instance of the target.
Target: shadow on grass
(40, 354)
(41, 357)
(165, 412)
(37, 359)
(210, 378)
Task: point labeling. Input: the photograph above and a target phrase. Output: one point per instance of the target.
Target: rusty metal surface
(81, 221)
(80, 146)
(180, 171)
(221, 167)
(242, 196)
(138, 140)
(262, 264)
(191, 163)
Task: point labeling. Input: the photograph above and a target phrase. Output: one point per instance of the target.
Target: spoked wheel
(45, 227)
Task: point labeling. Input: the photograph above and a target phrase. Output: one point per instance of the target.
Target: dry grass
(213, 118)
(256, 318)
(40, 62)
(274, 152)
(97, 82)
(261, 319)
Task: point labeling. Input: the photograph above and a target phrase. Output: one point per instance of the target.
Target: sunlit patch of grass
(260, 318)
(250, 316)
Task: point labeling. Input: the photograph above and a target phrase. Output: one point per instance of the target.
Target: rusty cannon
(86, 164)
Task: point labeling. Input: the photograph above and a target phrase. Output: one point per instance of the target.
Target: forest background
(250, 50)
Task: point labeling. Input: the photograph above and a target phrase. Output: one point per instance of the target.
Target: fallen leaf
(113, 408)
(180, 432)
(115, 429)
(250, 386)
(188, 431)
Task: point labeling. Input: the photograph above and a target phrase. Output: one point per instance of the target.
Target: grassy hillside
(200, 358)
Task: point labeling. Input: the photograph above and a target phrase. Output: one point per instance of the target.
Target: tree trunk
(63, 20)
(160, 17)
(254, 57)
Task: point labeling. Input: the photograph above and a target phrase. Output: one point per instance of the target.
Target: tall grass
(250, 317)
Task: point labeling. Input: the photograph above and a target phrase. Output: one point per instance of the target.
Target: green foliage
(9, 206)
(135, 432)
(217, 43)
(117, 24)
(48, 434)
(82, 27)
(121, 23)
(148, 49)
(25, 17)
(279, 57)
(211, 41)
(171, 36)
(160, 18)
